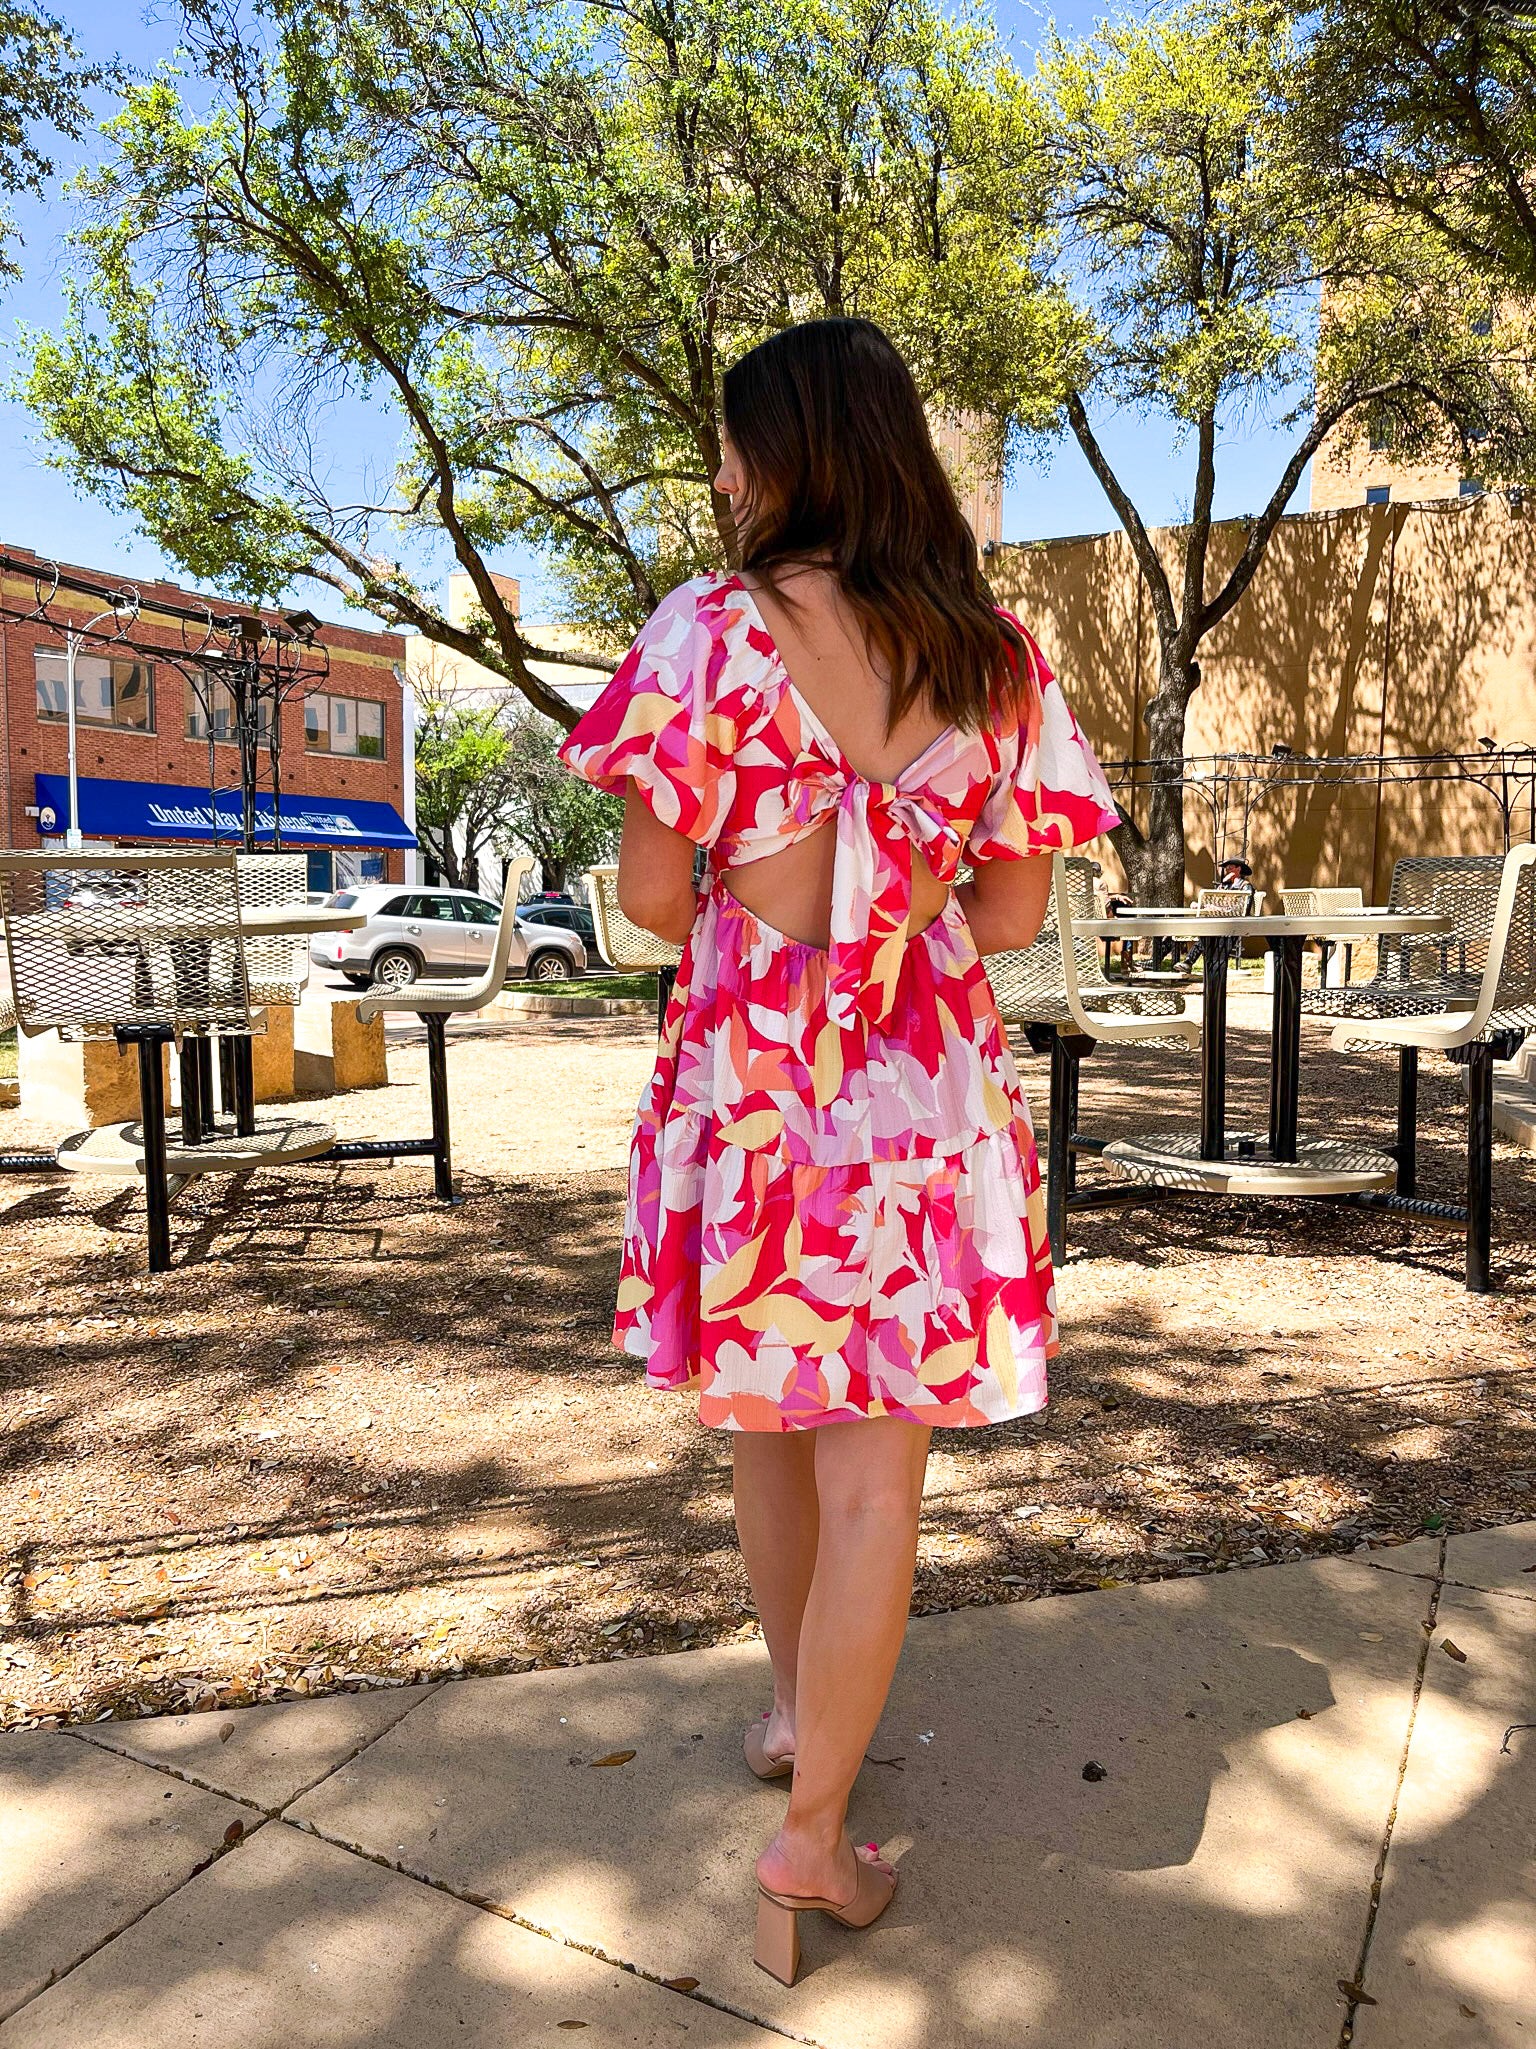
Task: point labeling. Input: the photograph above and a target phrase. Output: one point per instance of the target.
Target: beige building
(1399, 629)
(439, 675)
(1355, 466)
(978, 483)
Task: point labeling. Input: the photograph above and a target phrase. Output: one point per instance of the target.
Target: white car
(414, 933)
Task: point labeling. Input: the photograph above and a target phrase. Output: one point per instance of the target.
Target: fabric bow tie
(878, 828)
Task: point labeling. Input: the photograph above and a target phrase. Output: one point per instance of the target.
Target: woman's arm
(1005, 902)
(656, 888)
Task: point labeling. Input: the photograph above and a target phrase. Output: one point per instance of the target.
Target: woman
(836, 1236)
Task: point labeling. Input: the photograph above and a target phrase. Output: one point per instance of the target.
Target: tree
(463, 775)
(1428, 108)
(43, 80)
(562, 821)
(1217, 271)
(533, 235)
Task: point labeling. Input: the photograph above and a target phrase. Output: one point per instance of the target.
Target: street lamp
(74, 636)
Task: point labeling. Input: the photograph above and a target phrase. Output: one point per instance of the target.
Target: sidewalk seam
(187, 1778)
(1378, 1877)
(1469, 1585)
(222, 1849)
(190, 1778)
(555, 1935)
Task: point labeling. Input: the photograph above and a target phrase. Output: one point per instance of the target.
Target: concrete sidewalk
(460, 1864)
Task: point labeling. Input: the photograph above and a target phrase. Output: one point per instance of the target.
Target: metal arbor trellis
(243, 668)
(1234, 786)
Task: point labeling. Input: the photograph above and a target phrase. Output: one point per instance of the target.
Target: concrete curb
(526, 1002)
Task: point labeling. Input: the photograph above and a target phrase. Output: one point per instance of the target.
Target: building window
(220, 712)
(344, 725)
(108, 691)
(1378, 494)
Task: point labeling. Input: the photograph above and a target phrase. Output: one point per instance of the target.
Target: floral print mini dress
(835, 1207)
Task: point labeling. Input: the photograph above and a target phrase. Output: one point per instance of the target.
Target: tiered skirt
(828, 1224)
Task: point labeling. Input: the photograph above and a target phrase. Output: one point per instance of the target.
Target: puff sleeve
(1049, 794)
(657, 723)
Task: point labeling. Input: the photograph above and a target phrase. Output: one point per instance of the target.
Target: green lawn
(606, 985)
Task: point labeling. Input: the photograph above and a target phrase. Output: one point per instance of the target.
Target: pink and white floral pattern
(835, 1206)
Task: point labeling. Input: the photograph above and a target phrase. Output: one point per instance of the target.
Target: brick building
(142, 741)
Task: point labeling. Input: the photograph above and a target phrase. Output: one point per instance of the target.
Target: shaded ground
(355, 1439)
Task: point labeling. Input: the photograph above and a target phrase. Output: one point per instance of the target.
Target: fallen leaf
(570, 2024)
(234, 1832)
(1303, 1714)
(226, 1730)
(1468, 2013)
(613, 1757)
(1453, 1650)
(1371, 1636)
(1353, 1992)
(680, 1984)
(1094, 1771)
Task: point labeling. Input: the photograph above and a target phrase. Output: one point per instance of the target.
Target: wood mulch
(355, 1439)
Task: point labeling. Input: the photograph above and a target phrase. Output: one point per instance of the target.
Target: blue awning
(113, 810)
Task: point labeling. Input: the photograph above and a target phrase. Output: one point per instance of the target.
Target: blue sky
(41, 509)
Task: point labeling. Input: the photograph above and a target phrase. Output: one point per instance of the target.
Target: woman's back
(830, 668)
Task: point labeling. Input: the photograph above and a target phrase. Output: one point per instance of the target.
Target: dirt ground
(355, 1438)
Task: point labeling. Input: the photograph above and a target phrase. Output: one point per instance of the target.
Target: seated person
(1233, 874)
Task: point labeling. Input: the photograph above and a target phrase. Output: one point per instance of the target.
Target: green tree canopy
(565, 823)
(1428, 107)
(463, 775)
(534, 235)
(43, 80)
(1219, 274)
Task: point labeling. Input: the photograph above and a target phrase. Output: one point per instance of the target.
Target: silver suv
(436, 932)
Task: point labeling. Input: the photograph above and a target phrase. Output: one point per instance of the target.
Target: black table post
(193, 1123)
(242, 1069)
(1479, 1165)
(1285, 1049)
(1213, 1051)
(1406, 1151)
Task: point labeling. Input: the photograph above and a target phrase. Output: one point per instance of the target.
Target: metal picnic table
(1282, 1163)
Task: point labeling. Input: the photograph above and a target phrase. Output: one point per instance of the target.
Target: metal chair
(1313, 903)
(277, 973)
(138, 948)
(278, 969)
(434, 1003)
(628, 947)
(1418, 976)
(1425, 973)
(1055, 991)
(1484, 1017)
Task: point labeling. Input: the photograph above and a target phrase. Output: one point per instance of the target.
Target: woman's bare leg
(869, 1486)
(776, 1519)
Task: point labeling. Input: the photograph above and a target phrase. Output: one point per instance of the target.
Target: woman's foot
(779, 1732)
(799, 1868)
(770, 1745)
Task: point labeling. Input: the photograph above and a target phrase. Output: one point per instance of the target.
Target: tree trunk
(553, 872)
(1155, 865)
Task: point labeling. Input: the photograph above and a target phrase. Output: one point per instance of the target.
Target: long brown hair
(841, 468)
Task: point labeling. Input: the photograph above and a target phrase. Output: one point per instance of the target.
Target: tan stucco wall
(1400, 629)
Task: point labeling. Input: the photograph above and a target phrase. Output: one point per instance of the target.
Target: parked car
(433, 933)
(562, 916)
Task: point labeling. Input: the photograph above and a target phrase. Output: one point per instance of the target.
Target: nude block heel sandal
(778, 1918)
(758, 1759)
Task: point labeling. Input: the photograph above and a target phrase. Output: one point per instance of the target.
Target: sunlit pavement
(1153, 1815)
